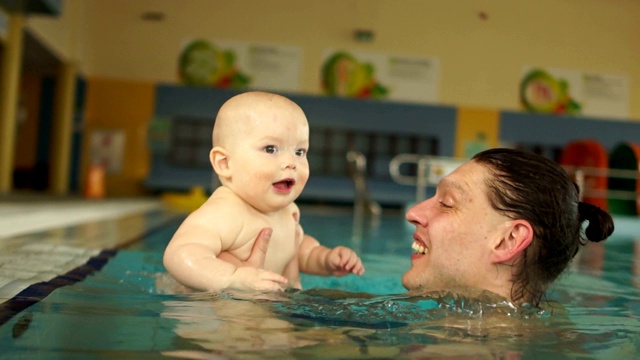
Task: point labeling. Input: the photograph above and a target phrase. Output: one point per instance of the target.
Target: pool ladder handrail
(430, 169)
(425, 175)
(363, 201)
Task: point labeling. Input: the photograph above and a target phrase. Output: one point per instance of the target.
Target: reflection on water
(326, 324)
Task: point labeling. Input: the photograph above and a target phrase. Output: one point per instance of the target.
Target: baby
(260, 143)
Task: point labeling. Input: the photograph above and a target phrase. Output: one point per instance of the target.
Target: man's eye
(301, 152)
(442, 204)
(270, 149)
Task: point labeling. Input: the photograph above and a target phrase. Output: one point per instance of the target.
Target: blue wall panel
(339, 113)
(553, 130)
(366, 116)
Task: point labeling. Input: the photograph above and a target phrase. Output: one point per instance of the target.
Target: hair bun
(600, 222)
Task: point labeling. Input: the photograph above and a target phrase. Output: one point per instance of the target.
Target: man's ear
(514, 240)
(220, 162)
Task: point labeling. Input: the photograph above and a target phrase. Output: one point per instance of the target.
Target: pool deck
(41, 239)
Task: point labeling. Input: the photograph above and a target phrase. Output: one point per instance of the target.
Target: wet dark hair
(524, 185)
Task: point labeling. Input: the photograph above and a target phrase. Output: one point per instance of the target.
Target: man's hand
(250, 273)
(250, 278)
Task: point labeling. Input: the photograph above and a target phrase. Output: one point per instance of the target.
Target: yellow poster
(476, 130)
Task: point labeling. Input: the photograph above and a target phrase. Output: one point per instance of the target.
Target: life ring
(625, 156)
(589, 153)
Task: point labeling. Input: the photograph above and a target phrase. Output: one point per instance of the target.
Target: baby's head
(260, 143)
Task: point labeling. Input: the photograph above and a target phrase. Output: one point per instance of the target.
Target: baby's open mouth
(285, 184)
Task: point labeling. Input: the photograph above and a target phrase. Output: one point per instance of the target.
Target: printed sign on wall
(220, 63)
(380, 76)
(107, 149)
(573, 92)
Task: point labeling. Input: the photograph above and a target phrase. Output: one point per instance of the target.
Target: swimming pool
(110, 306)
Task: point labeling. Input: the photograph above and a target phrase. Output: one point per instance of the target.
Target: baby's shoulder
(222, 210)
(224, 200)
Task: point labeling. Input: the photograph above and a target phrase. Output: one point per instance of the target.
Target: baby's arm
(317, 259)
(191, 258)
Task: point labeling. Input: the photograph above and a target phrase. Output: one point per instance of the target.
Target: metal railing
(430, 169)
(582, 173)
(363, 203)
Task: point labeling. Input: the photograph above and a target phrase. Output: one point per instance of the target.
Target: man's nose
(417, 214)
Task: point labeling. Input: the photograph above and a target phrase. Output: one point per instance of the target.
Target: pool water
(115, 308)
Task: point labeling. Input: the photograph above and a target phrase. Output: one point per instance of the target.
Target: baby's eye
(270, 149)
(301, 152)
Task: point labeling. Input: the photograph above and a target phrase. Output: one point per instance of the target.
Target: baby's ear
(220, 162)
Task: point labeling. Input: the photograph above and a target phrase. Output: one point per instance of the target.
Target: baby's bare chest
(282, 245)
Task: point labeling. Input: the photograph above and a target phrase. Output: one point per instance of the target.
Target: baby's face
(268, 157)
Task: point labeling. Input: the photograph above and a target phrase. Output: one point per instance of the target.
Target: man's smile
(419, 247)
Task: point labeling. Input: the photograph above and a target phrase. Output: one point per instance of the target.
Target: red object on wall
(592, 155)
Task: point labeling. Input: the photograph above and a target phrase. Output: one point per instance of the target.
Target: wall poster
(574, 92)
(107, 149)
(380, 76)
(220, 63)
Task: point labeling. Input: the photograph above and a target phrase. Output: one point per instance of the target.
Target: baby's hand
(249, 278)
(342, 261)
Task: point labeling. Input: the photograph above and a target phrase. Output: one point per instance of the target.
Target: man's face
(456, 231)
